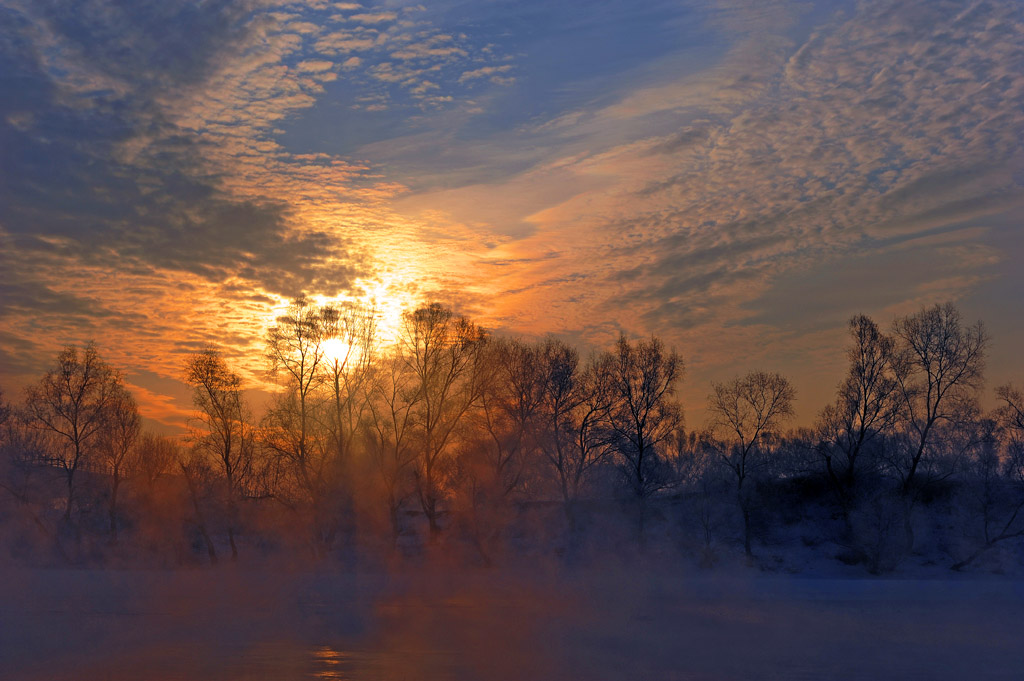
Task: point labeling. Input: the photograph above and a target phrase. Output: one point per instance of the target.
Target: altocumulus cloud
(689, 198)
(143, 192)
(672, 167)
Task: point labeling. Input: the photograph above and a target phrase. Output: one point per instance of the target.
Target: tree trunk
(641, 524)
(112, 511)
(211, 551)
(746, 531)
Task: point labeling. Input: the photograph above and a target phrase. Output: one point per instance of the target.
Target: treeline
(453, 440)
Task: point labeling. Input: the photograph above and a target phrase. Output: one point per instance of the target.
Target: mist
(461, 505)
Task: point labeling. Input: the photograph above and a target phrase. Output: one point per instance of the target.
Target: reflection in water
(336, 664)
(606, 626)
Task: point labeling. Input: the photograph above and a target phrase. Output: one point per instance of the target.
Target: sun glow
(339, 352)
(380, 301)
(385, 300)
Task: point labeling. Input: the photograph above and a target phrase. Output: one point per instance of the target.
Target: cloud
(144, 196)
(315, 65)
(687, 202)
(373, 18)
(492, 73)
(193, 149)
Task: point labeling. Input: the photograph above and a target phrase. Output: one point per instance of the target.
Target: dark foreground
(624, 623)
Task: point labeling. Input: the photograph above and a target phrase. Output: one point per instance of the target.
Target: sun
(373, 311)
(338, 351)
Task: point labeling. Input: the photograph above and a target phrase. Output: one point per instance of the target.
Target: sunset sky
(737, 177)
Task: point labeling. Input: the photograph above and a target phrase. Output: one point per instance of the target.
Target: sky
(737, 177)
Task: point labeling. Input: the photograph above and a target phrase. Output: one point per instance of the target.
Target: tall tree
(350, 344)
(938, 366)
(197, 471)
(640, 382)
(745, 412)
(509, 400)
(994, 480)
(866, 406)
(296, 427)
(224, 432)
(391, 446)
(572, 435)
(72, 402)
(642, 414)
(5, 411)
(1010, 413)
(443, 352)
(295, 350)
(118, 453)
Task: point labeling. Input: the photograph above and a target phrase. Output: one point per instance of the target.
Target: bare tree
(392, 447)
(700, 472)
(72, 403)
(155, 456)
(443, 353)
(938, 366)
(1011, 413)
(295, 350)
(640, 381)
(158, 503)
(199, 476)
(509, 400)
(572, 435)
(224, 431)
(307, 472)
(493, 461)
(865, 408)
(21, 450)
(642, 414)
(747, 411)
(297, 427)
(5, 412)
(118, 449)
(350, 344)
(995, 485)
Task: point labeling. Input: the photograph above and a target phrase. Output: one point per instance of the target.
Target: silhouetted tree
(701, 474)
(72, 403)
(443, 352)
(641, 380)
(572, 434)
(865, 408)
(747, 411)
(117, 450)
(392, 445)
(937, 365)
(1011, 412)
(499, 446)
(224, 432)
(156, 456)
(159, 502)
(295, 350)
(995, 484)
(350, 344)
(509, 400)
(642, 414)
(5, 412)
(199, 478)
(297, 427)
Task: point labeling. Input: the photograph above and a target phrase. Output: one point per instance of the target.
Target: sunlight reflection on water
(285, 663)
(71, 627)
(337, 663)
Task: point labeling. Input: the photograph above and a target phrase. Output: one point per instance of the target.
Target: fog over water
(624, 622)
